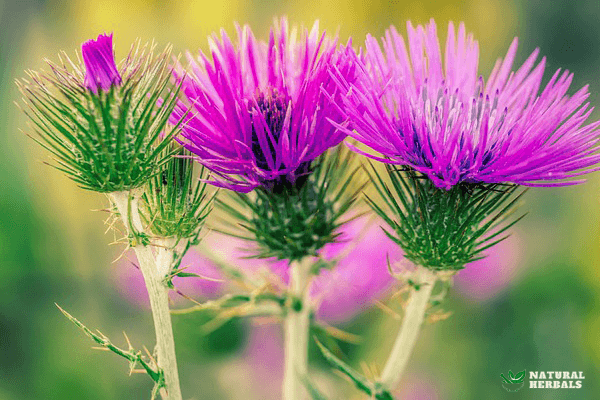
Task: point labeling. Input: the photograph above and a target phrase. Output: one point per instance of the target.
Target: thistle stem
(154, 267)
(296, 330)
(410, 328)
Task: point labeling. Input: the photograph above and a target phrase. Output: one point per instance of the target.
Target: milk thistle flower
(476, 141)
(456, 151)
(107, 129)
(295, 225)
(441, 119)
(105, 126)
(258, 116)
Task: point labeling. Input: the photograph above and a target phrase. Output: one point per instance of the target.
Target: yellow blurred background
(53, 247)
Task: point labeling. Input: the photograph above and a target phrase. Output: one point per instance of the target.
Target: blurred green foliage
(53, 248)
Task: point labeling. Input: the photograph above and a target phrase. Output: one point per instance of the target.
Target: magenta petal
(100, 68)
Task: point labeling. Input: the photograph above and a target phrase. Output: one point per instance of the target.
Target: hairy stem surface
(410, 328)
(154, 267)
(296, 328)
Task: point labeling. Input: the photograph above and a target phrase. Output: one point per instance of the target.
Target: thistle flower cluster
(259, 114)
(266, 118)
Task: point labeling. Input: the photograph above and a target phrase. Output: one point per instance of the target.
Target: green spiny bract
(297, 222)
(110, 140)
(443, 229)
(176, 201)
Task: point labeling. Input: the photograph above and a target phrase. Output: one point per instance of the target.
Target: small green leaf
(505, 379)
(188, 275)
(373, 389)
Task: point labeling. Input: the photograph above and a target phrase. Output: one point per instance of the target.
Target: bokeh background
(534, 305)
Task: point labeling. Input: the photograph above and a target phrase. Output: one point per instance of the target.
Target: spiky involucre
(298, 222)
(177, 200)
(443, 229)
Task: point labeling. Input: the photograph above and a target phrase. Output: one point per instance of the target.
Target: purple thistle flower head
(110, 144)
(100, 68)
(258, 115)
(437, 116)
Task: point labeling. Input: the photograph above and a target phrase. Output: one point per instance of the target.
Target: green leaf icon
(519, 377)
(514, 382)
(512, 378)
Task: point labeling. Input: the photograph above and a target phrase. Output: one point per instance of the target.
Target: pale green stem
(296, 331)
(414, 315)
(154, 266)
